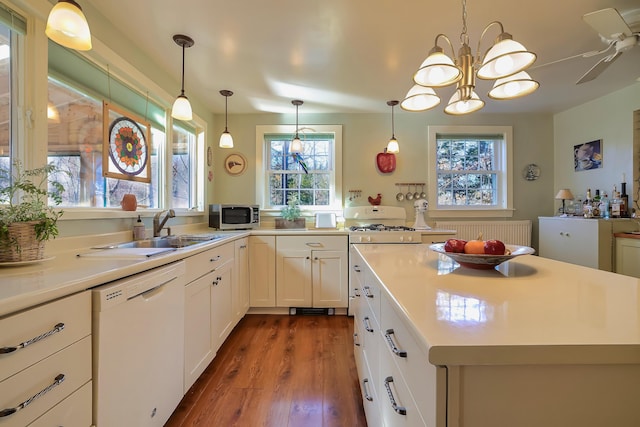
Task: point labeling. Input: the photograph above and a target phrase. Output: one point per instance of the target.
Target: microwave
(234, 217)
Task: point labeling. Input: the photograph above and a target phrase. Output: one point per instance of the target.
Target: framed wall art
(587, 156)
(126, 149)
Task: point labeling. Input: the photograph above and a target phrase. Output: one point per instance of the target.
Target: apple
(455, 245)
(494, 247)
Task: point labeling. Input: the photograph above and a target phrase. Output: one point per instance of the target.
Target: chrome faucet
(159, 225)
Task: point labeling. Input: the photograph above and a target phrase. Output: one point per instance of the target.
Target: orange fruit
(475, 246)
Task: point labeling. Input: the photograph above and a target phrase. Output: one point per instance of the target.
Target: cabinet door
(198, 336)
(222, 317)
(572, 240)
(330, 288)
(262, 271)
(241, 287)
(627, 256)
(293, 278)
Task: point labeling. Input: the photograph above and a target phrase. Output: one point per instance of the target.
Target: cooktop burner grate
(380, 227)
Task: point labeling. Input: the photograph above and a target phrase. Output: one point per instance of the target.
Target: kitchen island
(534, 342)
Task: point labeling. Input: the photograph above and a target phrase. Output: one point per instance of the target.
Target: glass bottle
(615, 204)
(604, 206)
(596, 204)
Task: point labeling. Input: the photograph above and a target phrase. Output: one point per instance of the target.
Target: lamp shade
(296, 145)
(420, 98)
(226, 140)
(68, 26)
(505, 58)
(392, 146)
(181, 109)
(458, 106)
(438, 70)
(515, 86)
(564, 194)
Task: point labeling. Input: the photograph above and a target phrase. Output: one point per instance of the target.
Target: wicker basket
(22, 244)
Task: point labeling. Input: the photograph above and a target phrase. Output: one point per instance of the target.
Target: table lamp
(564, 194)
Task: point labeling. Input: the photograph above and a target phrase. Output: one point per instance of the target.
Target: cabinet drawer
(370, 399)
(204, 262)
(414, 366)
(393, 389)
(369, 341)
(74, 411)
(323, 243)
(73, 362)
(370, 292)
(39, 331)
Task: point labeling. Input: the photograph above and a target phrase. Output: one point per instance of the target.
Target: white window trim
(261, 167)
(505, 178)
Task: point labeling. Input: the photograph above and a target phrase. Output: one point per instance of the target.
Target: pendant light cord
(296, 121)
(182, 88)
(393, 126)
(226, 99)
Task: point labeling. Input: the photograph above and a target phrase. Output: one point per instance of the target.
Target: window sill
(107, 213)
(471, 213)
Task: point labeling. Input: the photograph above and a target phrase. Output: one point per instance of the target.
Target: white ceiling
(350, 56)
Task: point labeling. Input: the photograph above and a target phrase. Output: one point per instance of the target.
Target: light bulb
(504, 64)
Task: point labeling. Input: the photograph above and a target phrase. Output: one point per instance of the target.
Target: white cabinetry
(241, 287)
(208, 312)
(581, 241)
(262, 271)
(45, 363)
(311, 271)
(628, 256)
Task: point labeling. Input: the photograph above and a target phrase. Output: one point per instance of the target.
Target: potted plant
(26, 219)
(291, 215)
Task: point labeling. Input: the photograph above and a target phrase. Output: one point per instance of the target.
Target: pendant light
(68, 26)
(296, 144)
(226, 140)
(181, 107)
(392, 146)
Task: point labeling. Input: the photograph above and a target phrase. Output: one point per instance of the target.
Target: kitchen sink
(179, 241)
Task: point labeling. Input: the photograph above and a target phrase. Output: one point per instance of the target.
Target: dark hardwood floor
(279, 371)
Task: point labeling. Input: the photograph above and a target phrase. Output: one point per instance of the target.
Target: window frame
(504, 160)
(262, 182)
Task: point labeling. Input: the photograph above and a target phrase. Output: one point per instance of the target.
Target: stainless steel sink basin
(180, 241)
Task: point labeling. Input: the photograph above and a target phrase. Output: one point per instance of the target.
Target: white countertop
(26, 286)
(529, 310)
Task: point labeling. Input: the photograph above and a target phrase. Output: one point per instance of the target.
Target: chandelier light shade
(296, 144)
(504, 62)
(420, 98)
(392, 146)
(67, 26)
(226, 140)
(181, 109)
(515, 86)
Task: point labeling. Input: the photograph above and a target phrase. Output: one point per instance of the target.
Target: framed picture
(126, 149)
(587, 156)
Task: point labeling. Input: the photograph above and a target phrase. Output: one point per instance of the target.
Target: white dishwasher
(138, 340)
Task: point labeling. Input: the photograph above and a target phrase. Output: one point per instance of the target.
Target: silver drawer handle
(356, 268)
(394, 348)
(399, 409)
(356, 341)
(314, 244)
(56, 328)
(10, 411)
(365, 387)
(216, 258)
(356, 292)
(366, 324)
(366, 292)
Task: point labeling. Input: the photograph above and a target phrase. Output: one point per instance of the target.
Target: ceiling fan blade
(608, 23)
(597, 69)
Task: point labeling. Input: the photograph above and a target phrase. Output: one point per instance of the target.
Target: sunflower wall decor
(127, 145)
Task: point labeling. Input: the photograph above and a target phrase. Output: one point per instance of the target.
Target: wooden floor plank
(278, 371)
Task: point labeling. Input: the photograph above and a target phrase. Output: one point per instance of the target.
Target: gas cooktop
(380, 227)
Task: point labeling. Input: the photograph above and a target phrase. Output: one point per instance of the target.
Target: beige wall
(610, 119)
(365, 135)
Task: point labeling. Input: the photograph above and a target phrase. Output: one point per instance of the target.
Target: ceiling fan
(614, 31)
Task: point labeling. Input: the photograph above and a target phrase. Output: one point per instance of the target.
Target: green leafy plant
(26, 198)
(291, 212)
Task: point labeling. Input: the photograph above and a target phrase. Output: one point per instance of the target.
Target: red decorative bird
(375, 201)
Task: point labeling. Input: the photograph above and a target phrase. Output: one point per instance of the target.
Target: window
(182, 164)
(471, 172)
(313, 176)
(12, 30)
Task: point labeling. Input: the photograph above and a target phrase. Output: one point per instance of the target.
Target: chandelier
(504, 62)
